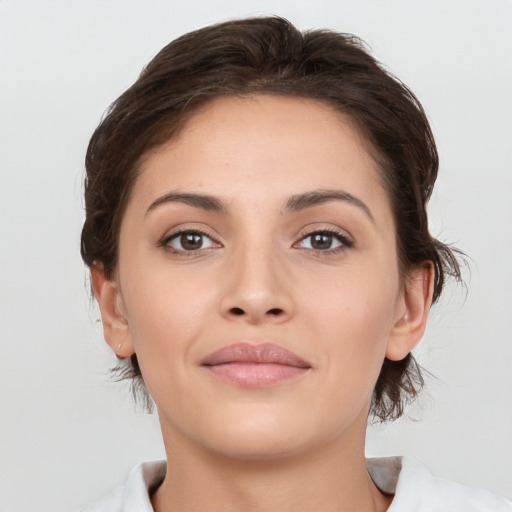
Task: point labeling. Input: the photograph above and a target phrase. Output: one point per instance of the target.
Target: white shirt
(414, 487)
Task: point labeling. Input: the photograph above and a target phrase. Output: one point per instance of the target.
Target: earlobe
(116, 329)
(417, 299)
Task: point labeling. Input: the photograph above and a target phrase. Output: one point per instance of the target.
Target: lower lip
(256, 375)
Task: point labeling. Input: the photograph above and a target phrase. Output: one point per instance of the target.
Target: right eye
(188, 241)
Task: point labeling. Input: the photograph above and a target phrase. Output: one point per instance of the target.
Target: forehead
(263, 138)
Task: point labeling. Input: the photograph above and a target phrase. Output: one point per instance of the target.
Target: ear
(116, 329)
(413, 310)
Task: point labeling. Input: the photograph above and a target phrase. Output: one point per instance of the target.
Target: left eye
(189, 241)
(323, 241)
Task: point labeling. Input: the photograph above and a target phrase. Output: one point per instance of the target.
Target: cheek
(166, 316)
(355, 319)
(163, 313)
(360, 299)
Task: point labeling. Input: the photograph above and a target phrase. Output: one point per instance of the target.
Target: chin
(247, 433)
(264, 436)
(259, 447)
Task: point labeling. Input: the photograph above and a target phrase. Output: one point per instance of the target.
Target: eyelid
(341, 235)
(181, 230)
(324, 227)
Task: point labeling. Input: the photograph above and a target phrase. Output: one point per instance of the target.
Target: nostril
(237, 311)
(275, 311)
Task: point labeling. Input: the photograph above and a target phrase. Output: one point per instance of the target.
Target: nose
(258, 288)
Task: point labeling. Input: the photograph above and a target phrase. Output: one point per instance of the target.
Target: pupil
(321, 241)
(191, 241)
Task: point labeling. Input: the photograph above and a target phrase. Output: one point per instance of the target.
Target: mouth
(255, 365)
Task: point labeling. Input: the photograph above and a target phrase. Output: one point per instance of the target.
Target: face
(258, 280)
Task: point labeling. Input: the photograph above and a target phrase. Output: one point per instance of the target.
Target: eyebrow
(205, 202)
(294, 203)
(316, 197)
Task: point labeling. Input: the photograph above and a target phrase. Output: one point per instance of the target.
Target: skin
(257, 278)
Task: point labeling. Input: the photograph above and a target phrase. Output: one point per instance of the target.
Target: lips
(255, 365)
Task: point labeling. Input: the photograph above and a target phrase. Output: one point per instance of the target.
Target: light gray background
(67, 435)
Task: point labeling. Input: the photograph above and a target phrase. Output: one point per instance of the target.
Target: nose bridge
(258, 287)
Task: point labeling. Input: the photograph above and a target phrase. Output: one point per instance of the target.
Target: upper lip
(263, 353)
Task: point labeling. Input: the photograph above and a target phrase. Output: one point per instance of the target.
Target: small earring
(119, 346)
(403, 320)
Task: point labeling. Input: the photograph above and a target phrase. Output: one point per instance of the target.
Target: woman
(258, 241)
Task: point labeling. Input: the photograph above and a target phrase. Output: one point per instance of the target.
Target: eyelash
(342, 238)
(344, 241)
(165, 242)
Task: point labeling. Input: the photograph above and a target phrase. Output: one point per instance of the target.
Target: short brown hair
(270, 56)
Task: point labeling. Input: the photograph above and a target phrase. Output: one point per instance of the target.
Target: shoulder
(134, 495)
(415, 488)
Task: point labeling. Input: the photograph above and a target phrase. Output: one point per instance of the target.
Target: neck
(328, 478)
